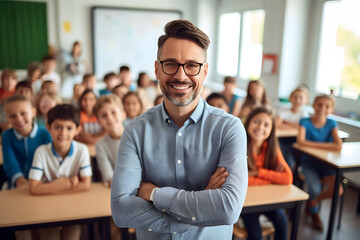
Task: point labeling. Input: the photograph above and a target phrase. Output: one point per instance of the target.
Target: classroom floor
(350, 223)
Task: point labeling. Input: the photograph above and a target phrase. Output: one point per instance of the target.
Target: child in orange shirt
(91, 130)
(266, 165)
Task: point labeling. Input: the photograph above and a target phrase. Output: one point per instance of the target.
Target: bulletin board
(127, 36)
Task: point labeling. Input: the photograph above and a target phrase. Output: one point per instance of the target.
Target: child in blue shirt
(20, 142)
(321, 132)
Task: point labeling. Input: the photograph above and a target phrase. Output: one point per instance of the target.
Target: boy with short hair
(110, 114)
(89, 82)
(62, 166)
(20, 142)
(49, 66)
(125, 77)
(24, 88)
(111, 80)
(321, 132)
(218, 100)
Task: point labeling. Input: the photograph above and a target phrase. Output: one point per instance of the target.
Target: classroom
(278, 59)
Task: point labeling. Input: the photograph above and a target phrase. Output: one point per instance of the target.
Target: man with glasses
(181, 171)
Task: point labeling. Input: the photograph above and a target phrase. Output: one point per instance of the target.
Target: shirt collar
(195, 116)
(31, 135)
(69, 154)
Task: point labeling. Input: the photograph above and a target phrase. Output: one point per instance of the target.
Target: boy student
(62, 166)
(89, 82)
(110, 115)
(321, 132)
(218, 100)
(24, 88)
(20, 142)
(125, 77)
(111, 80)
(49, 65)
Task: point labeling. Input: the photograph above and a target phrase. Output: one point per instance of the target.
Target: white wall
(292, 62)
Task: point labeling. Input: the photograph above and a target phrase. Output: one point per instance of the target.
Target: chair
(267, 229)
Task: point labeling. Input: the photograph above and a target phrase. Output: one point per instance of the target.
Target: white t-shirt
(47, 165)
(289, 116)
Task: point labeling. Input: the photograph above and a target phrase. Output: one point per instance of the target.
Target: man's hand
(145, 190)
(218, 178)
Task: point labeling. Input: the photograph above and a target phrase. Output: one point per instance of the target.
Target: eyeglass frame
(180, 65)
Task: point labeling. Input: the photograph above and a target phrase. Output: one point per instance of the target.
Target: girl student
(256, 97)
(43, 103)
(290, 118)
(266, 165)
(91, 131)
(133, 106)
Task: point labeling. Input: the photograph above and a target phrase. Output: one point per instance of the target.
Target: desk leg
(333, 205)
(297, 181)
(106, 225)
(295, 223)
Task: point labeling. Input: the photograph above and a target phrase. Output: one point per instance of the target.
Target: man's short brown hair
(184, 29)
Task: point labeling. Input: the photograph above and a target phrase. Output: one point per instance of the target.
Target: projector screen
(124, 36)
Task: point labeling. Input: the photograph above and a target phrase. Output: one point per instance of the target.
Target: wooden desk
(20, 210)
(275, 196)
(346, 160)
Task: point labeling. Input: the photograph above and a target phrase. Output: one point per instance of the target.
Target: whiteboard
(125, 36)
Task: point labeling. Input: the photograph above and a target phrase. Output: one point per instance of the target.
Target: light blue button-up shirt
(180, 161)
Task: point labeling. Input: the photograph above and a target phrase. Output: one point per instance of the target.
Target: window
(339, 54)
(242, 39)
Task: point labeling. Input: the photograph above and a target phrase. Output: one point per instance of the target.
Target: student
(159, 99)
(34, 72)
(266, 165)
(43, 103)
(125, 77)
(24, 88)
(77, 92)
(89, 81)
(290, 118)
(120, 90)
(320, 132)
(49, 66)
(111, 80)
(232, 99)
(20, 142)
(90, 128)
(218, 100)
(132, 105)
(146, 90)
(8, 83)
(62, 166)
(49, 87)
(256, 97)
(109, 112)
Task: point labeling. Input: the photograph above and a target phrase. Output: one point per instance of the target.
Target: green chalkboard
(23, 33)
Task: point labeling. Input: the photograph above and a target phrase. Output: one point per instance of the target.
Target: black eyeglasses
(190, 68)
